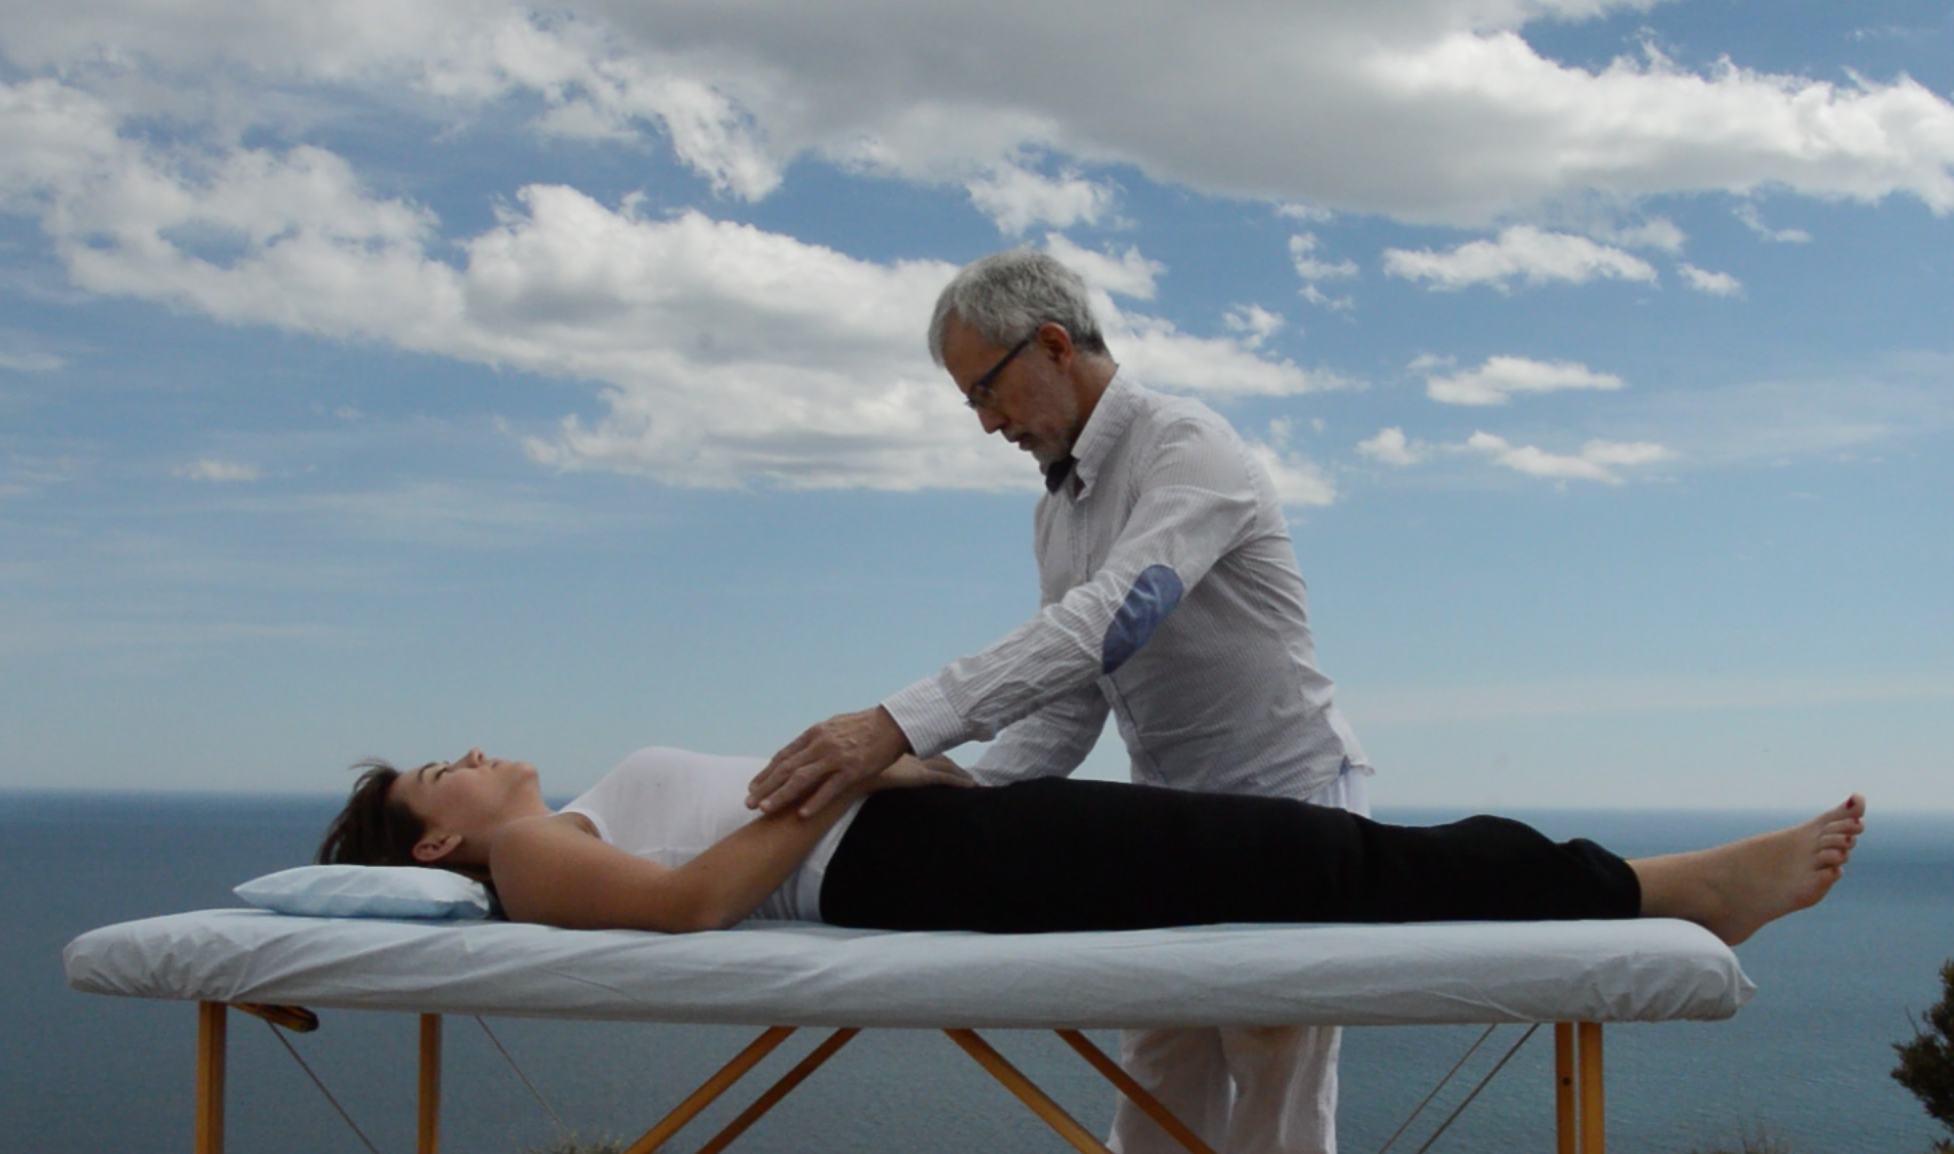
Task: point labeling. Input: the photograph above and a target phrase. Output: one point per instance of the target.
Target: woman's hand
(908, 772)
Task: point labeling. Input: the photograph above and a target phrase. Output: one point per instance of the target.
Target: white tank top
(669, 805)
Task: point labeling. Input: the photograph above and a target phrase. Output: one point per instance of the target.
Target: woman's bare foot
(1736, 889)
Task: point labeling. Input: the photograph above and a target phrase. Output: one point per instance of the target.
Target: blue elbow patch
(1154, 594)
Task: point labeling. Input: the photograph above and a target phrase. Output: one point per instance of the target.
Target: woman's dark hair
(373, 829)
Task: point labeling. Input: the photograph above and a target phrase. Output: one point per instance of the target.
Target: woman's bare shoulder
(554, 869)
(544, 832)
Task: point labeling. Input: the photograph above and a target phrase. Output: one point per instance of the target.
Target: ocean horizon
(1806, 1061)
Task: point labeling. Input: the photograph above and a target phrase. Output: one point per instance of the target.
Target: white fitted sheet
(792, 974)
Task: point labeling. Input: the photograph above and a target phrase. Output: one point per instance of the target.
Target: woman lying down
(666, 842)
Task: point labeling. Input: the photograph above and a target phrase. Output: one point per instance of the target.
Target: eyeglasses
(983, 390)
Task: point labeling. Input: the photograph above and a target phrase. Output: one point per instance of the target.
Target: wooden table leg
(1137, 1094)
(1594, 1137)
(1566, 1133)
(714, 1086)
(779, 1090)
(209, 1126)
(429, 1135)
(1028, 1092)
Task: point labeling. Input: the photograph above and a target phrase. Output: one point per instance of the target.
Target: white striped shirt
(1170, 596)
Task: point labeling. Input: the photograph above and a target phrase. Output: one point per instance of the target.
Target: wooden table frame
(1579, 1100)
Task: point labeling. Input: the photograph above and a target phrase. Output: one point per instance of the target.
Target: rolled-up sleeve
(1196, 502)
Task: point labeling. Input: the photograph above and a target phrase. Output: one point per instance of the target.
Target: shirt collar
(1108, 422)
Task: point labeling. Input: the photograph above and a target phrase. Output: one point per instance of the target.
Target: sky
(387, 379)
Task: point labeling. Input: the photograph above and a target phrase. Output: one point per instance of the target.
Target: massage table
(783, 976)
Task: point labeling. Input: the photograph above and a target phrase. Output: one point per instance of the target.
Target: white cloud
(592, 86)
(710, 133)
(51, 135)
(29, 361)
(1649, 126)
(1597, 460)
(1719, 284)
(1757, 424)
(1774, 422)
(1624, 452)
(1495, 382)
(1016, 198)
(1392, 448)
(1438, 110)
(1747, 212)
(1253, 323)
(1298, 481)
(211, 469)
(728, 354)
(1302, 254)
(1521, 253)
(732, 354)
(1127, 273)
(1160, 354)
(1657, 232)
(1323, 300)
(1305, 213)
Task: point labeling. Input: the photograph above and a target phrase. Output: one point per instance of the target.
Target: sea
(1803, 1069)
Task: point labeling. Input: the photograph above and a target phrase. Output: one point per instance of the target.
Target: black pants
(1057, 854)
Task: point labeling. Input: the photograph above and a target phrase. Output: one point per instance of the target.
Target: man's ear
(1057, 344)
(432, 849)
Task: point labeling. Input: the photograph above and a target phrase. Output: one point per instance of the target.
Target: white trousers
(1244, 1090)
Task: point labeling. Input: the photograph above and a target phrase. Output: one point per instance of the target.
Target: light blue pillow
(356, 891)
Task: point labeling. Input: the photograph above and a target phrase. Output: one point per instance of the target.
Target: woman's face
(470, 794)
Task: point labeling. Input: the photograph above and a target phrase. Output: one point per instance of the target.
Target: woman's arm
(550, 871)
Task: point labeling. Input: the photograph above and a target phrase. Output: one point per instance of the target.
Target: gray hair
(1006, 296)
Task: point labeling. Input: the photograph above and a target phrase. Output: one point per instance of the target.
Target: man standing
(1171, 598)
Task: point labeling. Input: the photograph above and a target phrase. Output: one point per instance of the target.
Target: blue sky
(387, 384)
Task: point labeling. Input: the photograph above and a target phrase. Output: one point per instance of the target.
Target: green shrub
(1926, 1066)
